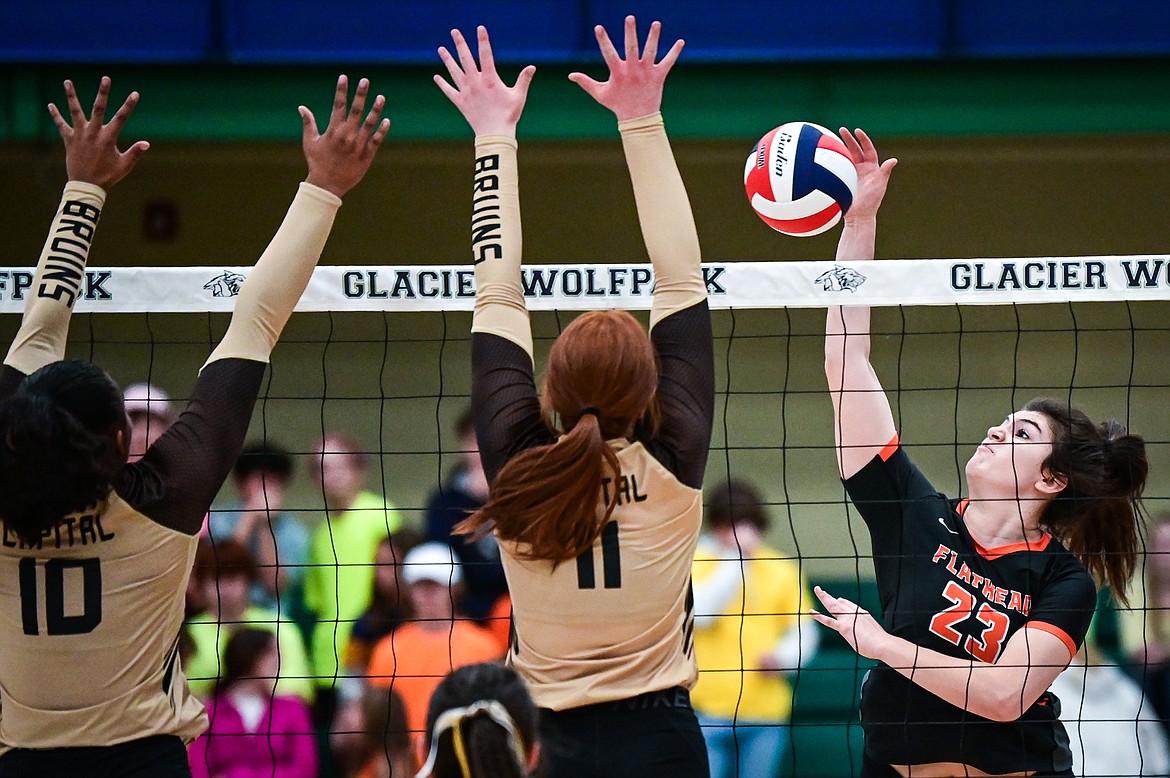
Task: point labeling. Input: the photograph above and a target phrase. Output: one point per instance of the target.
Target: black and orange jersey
(942, 590)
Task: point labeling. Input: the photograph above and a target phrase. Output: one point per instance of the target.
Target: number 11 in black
(611, 562)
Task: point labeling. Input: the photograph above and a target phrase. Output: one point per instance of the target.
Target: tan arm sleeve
(59, 279)
(274, 286)
(496, 245)
(664, 212)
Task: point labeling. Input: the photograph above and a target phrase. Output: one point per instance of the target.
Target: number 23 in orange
(987, 646)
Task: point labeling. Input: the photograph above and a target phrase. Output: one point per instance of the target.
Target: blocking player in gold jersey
(597, 517)
(95, 552)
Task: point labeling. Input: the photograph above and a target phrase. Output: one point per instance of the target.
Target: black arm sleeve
(10, 378)
(504, 401)
(686, 393)
(181, 473)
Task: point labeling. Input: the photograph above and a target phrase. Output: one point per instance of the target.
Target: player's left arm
(1000, 691)
(192, 458)
(93, 164)
(503, 385)
(680, 321)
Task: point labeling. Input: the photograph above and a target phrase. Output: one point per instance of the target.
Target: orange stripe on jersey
(1060, 633)
(1011, 548)
(890, 448)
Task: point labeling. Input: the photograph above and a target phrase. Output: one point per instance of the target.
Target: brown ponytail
(600, 381)
(1098, 515)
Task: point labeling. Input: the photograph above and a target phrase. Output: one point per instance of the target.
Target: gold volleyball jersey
(90, 616)
(91, 622)
(619, 620)
(616, 622)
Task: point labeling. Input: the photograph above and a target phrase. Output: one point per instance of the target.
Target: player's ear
(534, 757)
(1050, 483)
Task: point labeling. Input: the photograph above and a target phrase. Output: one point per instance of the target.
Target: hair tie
(590, 410)
(453, 718)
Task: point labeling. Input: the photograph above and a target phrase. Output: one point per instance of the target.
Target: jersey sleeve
(680, 321)
(686, 392)
(881, 488)
(59, 279)
(275, 284)
(504, 401)
(1066, 604)
(10, 379)
(496, 243)
(175, 482)
(664, 214)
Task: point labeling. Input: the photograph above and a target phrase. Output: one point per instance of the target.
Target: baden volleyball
(800, 179)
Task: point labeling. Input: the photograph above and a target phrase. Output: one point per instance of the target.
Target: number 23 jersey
(942, 590)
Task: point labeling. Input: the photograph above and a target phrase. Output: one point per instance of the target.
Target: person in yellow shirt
(340, 580)
(750, 632)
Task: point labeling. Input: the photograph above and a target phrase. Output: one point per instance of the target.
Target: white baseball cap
(148, 399)
(432, 562)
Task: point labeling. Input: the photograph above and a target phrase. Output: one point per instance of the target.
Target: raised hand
(872, 177)
(489, 105)
(339, 157)
(91, 148)
(635, 84)
(854, 623)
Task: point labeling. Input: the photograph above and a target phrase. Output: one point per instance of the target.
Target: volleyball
(800, 179)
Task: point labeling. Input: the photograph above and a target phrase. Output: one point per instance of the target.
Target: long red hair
(601, 378)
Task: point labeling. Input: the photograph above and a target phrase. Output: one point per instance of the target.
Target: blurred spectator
(340, 577)
(1151, 660)
(389, 603)
(277, 540)
(416, 656)
(750, 632)
(1112, 729)
(254, 731)
(151, 413)
(225, 573)
(464, 492)
(371, 738)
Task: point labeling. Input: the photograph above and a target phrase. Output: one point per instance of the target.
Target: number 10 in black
(56, 622)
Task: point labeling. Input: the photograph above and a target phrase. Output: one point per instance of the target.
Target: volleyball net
(382, 354)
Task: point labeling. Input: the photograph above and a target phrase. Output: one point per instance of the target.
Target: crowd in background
(317, 650)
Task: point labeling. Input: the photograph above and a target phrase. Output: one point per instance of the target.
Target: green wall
(1001, 160)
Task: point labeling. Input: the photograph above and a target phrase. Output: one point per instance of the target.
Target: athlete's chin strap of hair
(453, 720)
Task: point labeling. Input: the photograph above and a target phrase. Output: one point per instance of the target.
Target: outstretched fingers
(371, 122)
(466, 60)
(608, 51)
(487, 60)
(340, 98)
(650, 53)
(98, 114)
(631, 39)
(671, 57)
(308, 123)
(358, 106)
(851, 145)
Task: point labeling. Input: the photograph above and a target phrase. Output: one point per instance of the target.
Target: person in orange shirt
(414, 658)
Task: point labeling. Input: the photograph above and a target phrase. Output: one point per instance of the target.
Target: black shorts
(158, 756)
(872, 769)
(652, 734)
